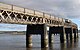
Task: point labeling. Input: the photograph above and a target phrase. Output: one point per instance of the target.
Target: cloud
(60, 8)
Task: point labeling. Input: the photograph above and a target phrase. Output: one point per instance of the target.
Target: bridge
(37, 23)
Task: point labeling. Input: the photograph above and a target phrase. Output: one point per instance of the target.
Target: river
(18, 42)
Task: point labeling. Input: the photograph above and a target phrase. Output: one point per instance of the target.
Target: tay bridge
(37, 23)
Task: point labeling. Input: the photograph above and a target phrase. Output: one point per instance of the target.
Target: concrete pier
(51, 35)
(28, 40)
(67, 37)
(44, 36)
(62, 35)
(75, 34)
(70, 34)
(37, 29)
(60, 30)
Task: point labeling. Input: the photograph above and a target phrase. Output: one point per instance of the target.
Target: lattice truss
(22, 18)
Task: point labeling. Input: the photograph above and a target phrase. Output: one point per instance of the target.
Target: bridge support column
(44, 36)
(50, 38)
(37, 29)
(50, 35)
(77, 33)
(28, 37)
(67, 37)
(28, 40)
(63, 35)
(71, 35)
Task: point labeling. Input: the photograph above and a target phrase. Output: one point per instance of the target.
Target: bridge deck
(19, 15)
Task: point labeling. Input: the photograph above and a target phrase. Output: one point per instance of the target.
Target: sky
(69, 9)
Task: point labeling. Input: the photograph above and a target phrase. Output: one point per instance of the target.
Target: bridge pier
(28, 40)
(63, 35)
(51, 35)
(75, 34)
(57, 29)
(67, 37)
(44, 36)
(71, 35)
(37, 29)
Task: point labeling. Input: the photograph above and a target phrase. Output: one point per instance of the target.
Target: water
(18, 42)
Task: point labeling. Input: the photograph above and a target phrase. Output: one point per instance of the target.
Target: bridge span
(37, 23)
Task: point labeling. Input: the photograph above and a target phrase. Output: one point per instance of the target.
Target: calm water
(18, 42)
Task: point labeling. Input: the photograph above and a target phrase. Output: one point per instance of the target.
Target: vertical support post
(28, 40)
(44, 36)
(77, 33)
(50, 38)
(28, 37)
(71, 34)
(50, 35)
(67, 37)
(63, 35)
(12, 8)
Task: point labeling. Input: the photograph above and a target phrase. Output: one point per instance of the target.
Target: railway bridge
(37, 23)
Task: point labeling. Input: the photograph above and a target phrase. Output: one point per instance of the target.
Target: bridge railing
(20, 9)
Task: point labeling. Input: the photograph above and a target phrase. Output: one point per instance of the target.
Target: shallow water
(18, 42)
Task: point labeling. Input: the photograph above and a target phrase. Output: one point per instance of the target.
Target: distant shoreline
(13, 32)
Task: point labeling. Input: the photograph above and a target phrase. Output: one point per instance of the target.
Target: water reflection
(44, 48)
(63, 46)
(69, 45)
(28, 48)
(50, 46)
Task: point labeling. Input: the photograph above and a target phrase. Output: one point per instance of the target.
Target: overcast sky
(61, 8)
